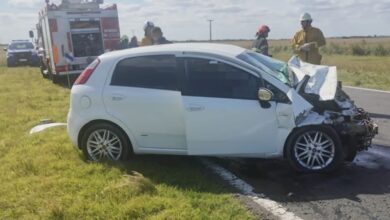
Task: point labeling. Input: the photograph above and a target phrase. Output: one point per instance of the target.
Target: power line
(211, 29)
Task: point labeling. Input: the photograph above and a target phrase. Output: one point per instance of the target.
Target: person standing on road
(260, 45)
(306, 42)
(158, 37)
(148, 40)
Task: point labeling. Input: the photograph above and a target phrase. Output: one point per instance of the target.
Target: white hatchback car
(215, 100)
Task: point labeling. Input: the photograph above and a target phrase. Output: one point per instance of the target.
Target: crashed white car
(215, 100)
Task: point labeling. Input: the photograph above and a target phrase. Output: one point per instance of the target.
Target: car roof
(210, 48)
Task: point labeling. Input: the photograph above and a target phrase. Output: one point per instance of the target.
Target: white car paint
(229, 127)
(323, 79)
(157, 116)
(166, 122)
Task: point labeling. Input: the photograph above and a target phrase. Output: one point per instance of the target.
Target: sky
(233, 19)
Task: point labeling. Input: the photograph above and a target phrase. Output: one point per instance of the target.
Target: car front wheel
(105, 142)
(314, 149)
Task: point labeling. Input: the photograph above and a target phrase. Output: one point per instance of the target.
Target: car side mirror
(265, 95)
(5, 49)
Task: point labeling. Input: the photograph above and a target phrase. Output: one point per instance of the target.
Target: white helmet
(148, 24)
(306, 17)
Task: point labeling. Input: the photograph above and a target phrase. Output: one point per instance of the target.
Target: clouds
(25, 3)
(183, 20)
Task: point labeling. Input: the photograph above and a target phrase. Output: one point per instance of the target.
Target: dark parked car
(21, 52)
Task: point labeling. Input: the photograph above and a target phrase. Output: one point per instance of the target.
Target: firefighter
(158, 37)
(124, 43)
(148, 40)
(260, 45)
(133, 42)
(306, 42)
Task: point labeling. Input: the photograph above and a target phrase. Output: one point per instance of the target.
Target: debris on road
(45, 124)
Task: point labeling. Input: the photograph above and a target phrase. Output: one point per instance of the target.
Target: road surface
(360, 190)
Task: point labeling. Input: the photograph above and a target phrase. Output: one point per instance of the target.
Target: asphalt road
(378, 105)
(359, 190)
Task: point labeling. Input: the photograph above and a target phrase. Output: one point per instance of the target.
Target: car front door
(222, 112)
(144, 93)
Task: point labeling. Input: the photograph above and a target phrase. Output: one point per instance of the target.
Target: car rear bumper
(32, 61)
(73, 129)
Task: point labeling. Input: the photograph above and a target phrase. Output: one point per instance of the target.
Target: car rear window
(21, 46)
(155, 72)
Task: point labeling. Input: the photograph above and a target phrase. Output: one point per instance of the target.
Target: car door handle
(195, 108)
(117, 97)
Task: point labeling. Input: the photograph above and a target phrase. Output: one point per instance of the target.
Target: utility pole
(211, 29)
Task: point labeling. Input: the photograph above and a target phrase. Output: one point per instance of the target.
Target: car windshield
(275, 68)
(21, 46)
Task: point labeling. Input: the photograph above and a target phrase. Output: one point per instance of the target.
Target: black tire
(123, 143)
(317, 155)
(350, 149)
(42, 69)
(351, 156)
(56, 79)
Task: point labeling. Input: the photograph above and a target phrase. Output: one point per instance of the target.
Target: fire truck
(72, 34)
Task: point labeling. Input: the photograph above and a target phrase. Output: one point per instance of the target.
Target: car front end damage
(353, 124)
(331, 106)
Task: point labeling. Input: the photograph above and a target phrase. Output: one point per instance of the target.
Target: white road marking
(273, 207)
(365, 89)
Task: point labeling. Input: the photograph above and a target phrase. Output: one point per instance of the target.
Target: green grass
(2, 56)
(44, 177)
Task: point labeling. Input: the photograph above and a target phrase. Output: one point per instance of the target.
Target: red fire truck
(71, 35)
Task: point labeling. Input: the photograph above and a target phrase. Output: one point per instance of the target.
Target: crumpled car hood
(323, 79)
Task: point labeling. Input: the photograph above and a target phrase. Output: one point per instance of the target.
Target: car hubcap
(314, 150)
(104, 144)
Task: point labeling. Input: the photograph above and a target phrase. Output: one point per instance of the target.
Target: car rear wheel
(105, 142)
(314, 149)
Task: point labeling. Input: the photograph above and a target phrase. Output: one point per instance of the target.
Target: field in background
(44, 177)
(335, 46)
(2, 56)
(362, 62)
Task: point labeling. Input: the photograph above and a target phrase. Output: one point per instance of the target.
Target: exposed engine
(353, 124)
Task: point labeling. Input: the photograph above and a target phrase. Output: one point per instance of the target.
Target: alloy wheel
(104, 144)
(314, 150)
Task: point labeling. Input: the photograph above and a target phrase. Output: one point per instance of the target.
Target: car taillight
(84, 76)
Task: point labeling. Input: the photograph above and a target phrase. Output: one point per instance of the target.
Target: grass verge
(44, 177)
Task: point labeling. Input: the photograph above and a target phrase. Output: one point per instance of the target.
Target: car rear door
(222, 112)
(144, 94)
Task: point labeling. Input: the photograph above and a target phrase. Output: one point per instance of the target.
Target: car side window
(155, 72)
(209, 78)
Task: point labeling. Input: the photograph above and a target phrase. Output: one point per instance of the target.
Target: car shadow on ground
(65, 82)
(275, 179)
(182, 172)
